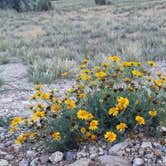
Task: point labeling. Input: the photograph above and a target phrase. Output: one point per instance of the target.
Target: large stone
(70, 156)
(108, 160)
(56, 157)
(44, 159)
(3, 162)
(117, 148)
(81, 162)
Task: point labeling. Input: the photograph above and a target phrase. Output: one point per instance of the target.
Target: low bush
(26, 5)
(108, 103)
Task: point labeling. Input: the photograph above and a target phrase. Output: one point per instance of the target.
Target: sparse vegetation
(78, 29)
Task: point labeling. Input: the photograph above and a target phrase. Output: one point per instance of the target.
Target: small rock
(93, 156)
(101, 151)
(82, 154)
(81, 162)
(3, 162)
(3, 153)
(56, 157)
(31, 154)
(138, 162)
(44, 159)
(16, 148)
(146, 145)
(161, 148)
(70, 156)
(34, 162)
(108, 160)
(93, 149)
(23, 163)
(9, 157)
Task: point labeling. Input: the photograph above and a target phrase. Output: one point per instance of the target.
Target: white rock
(82, 154)
(9, 157)
(81, 162)
(3, 162)
(23, 163)
(56, 157)
(109, 160)
(3, 153)
(31, 154)
(146, 145)
(138, 162)
(101, 151)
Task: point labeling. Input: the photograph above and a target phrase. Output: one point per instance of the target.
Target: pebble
(44, 159)
(81, 162)
(31, 154)
(70, 156)
(3, 162)
(56, 157)
(146, 145)
(138, 162)
(23, 163)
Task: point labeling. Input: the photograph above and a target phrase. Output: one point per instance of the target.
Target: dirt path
(16, 91)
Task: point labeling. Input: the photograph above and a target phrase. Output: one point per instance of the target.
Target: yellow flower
(85, 61)
(140, 120)
(45, 96)
(114, 58)
(64, 74)
(159, 82)
(149, 79)
(88, 134)
(122, 103)
(121, 126)
(113, 111)
(152, 63)
(13, 129)
(110, 136)
(55, 108)
(16, 121)
(137, 73)
(100, 74)
(93, 125)
(152, 113)
(83, 130)
(82, 96)
(70, 104)
(84, 115)
(38, 115)
(92, 83)
(93, 137)
(22, 138)
(86, 77)
(82, 66)
(127, 80)
(57, 136)
(86, 71)
(104, 64)
(39, 86)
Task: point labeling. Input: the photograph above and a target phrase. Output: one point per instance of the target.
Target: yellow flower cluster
(102, 101)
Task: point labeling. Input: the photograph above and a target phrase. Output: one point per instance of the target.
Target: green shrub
(26, 5)
(108, 102)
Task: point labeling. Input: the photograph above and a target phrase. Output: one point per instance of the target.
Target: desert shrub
(100, 2)
(108, 102)
(26, 5)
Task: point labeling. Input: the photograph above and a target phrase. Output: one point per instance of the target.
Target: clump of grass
(1, 82)
(4, 60)
(5, 121)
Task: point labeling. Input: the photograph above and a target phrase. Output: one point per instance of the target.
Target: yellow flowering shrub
(107, 102)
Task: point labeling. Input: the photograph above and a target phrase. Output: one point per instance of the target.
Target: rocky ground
(14, 99)
(137, 152)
